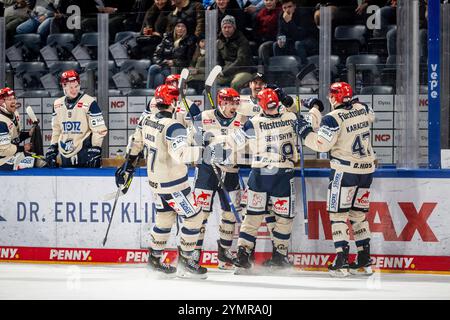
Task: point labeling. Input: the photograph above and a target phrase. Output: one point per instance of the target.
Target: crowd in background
(172, 32)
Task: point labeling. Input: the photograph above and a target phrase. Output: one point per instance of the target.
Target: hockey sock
(361, 229)
(281, 234)
(249, 231)
(226, 229)
(190, 231)
(161, 230)
(339, 229)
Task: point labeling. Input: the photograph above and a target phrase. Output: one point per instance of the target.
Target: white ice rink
(32, 281)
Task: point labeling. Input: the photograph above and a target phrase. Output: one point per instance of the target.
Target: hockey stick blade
(210, 81)
(111, 196)
(307, 69)
(213, 75)
(183, 76)
(31, 115)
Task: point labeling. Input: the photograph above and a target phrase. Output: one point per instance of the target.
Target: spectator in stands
(224, 8)
(266, 27)
(155, 19)
(39, 20)
(234, 55)
(196, 78)
(135, 18)
(171, 55)
(16, 12)
(123, 15)
(342, 11)
(153, 28)
(297, 33)
(191, 12)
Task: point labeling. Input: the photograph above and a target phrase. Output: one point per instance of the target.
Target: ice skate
(340, 266)
(190, 268)
(155, 264)
(242, 262)
(278, 261)
(225, 257)
(362, 264)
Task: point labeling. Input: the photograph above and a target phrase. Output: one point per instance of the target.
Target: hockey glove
(216, 154)
(313, 103)
(302, 127)
(285, 99)
(202, 137)
(94, 157)
(124, 174)
(50, 156)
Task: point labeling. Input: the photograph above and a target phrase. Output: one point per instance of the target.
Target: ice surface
(33, 281)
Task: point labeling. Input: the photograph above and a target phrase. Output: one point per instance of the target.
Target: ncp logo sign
(117, 104)
(383, 137)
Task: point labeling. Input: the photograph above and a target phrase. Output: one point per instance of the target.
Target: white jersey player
(12, 153)
(163, 140)
(345, 133)
(272, 140)
(181, 114)
(250, 107)
(214, 126)
(78, 127)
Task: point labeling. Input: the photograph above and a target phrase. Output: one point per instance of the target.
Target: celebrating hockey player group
(174, 134)
(214, 140)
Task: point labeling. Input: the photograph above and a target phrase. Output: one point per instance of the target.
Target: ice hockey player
(13, 156)
(181, 113)
(167, 152)
(213, 127)
(272, 140)
(78, 128)
(249, 106)
(345, 133)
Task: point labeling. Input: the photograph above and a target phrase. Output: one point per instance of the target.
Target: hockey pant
(206, 187)
(267, 187)
(168, 208)
(348, 200)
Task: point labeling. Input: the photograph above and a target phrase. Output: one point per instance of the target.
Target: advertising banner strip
(304, 261)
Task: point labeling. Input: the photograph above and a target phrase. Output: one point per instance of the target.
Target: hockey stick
(209, 83)
(183, 78)
(119, 191)
(309, 68)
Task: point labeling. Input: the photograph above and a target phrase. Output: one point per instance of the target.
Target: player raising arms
(215, 126)
(345, 132)
(272, 140)
(164, 142)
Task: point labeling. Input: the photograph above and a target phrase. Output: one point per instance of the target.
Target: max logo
(417, 220)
